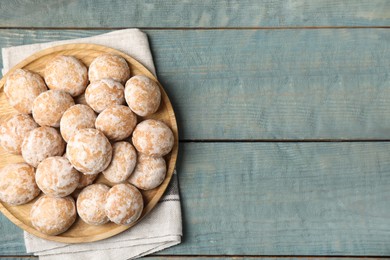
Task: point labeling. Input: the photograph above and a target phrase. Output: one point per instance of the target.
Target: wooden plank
(11, 239)
(151, 257)
(267, 84)
(221, 257)
(216, 258)
(201, 13)
(12, 257)
(277, 199)
(18, 257)
(212, 257)
(285, 198)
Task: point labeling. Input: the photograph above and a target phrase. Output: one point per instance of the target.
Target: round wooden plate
(80, 231)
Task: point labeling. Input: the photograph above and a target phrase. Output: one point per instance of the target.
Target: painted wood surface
(255, 257)
(11, 238)
(174, 257)
(153, 257)
(253, 79)
(18, 258)
(267, 84)
(277, 199)
(200, 13)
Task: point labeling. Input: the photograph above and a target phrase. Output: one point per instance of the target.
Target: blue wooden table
(284, 116)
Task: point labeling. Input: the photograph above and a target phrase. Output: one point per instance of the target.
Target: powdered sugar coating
(21, 88)
(53, 216)
(17, 184)
(13, 130)
(109, 66)
(149, 173)
(76, 117)
(153, 137)
(104, 93)
(41, 143)
(68, 74)
(89, 151)
(91, 202)
(116, 122)
(124, 159)
(86, 179)
(142, 95)
(124, 204)
(56, 177)
(49, 107)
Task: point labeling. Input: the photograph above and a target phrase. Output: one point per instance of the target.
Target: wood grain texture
(220, 257)
(184, 257)
(80, 232)
(285, 199)
(201, 13)
(255, 84)
(18, 257)
(11, 238)
(277, 199)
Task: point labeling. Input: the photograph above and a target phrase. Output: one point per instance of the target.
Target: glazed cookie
(53, 216)
(104, 93)
(56, 177)
(68, 74)
(109, 66)
(89, 151)
(13, 130)
(21, 88)
(91, 202)
(75, 118)
(17, 184)
(124, 204)
(142, 95)
(116, 122)
(149, 173)
(86, 179)
(124, 159)
(41, 143)
(49, 107)
(153, 137)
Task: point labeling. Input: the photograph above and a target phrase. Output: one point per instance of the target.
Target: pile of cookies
(66, 145)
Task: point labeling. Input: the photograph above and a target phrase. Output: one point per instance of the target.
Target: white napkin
(160, 229)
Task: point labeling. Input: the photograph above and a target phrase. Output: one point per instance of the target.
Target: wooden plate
(80, 231)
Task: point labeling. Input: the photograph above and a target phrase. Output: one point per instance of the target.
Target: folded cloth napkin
(162, 227)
